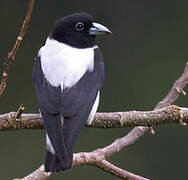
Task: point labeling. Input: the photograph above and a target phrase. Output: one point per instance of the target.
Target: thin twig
(12, 53)
(118, 172)
(96, 158)
(176, 90)
(19, 112)
(169, 99)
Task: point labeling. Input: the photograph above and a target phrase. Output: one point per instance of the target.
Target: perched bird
(67, 76)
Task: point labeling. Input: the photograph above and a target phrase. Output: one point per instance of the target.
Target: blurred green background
(147, 52)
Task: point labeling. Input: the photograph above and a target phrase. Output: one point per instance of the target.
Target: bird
(68, 74)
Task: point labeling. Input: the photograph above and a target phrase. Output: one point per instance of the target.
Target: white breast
(65, 65)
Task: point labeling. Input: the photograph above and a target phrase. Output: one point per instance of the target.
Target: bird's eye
(79, 26)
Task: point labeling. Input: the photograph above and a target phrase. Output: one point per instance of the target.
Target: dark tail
(54, 164)
(62, 159)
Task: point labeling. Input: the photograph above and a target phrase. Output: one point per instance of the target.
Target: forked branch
(135, 134)
(143, 120)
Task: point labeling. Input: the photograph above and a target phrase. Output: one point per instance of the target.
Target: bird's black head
(77, 30)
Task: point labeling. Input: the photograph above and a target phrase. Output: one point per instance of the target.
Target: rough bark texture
(170, 114)
(143, 121)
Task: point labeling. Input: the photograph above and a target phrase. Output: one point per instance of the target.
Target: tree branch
(118, 172)
(94, 158)
(176, 90)
(170, 114)
(12, 53)
(36, 175)
(171, 97)
(167, 115)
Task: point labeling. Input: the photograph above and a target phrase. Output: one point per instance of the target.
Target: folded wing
(65, 111)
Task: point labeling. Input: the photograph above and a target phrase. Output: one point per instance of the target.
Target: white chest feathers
(65, 65)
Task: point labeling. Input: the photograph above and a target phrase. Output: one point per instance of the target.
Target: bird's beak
(98, 29)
